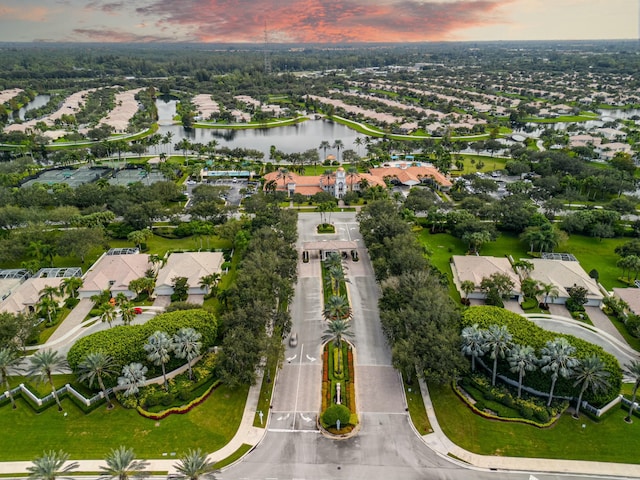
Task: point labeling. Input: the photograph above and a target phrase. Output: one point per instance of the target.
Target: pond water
(39, 101)
(290, 139)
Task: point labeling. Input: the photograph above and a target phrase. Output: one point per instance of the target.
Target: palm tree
(467, 287)
(158, 348)
(127, 309)
(337, 307)
(122, 464)
(550, 291)
(107, 313)
(324, 145)
(358, 142)
(522, 359)
(186, 344)
(51, 465)
(210, 282)
(633, 370)
(194, 465)
(337, 329)
(70, 286)
(43, 363)
(338, 145)
(473, 343)
(336, 276)
(97, 366)
(352, 173)
(133, 377)
(47, 307)
(590, 373)
(8, 359)
(498, 342)
(557, 358)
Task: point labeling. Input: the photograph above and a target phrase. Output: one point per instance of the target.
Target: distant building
(475, 268)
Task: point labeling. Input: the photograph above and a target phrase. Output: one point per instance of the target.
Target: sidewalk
(246, 434)
(444, 447)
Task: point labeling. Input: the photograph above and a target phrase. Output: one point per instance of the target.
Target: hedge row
(525, 332)
(125, 343)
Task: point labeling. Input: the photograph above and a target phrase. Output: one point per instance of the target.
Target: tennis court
(133, 175)
(72, 177)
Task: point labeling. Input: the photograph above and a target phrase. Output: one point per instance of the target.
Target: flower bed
(330, 358)
(182, 409)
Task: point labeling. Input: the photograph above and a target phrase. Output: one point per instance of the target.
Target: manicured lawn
(416, 408)
(209, 426)
(593, 253)
(634, 342)
(160, 245)
(490, 164)
(566, 439)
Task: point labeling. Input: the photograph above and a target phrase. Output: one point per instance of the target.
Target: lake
(290, 139)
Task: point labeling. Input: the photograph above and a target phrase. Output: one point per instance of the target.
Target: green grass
(209, 426)
(633, 342)
(490, 164)
(160, 245)
(266, 391)
(441, 247)
(593, 253)
(416, 408)
(238, 454)
(566, 439)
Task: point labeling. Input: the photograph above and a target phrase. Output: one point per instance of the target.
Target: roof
(475, 268)
(631, 296)
(330, 245)
(192, 265)
(28, 294)
(564, 275)
(119, 269)
(312, 184)
(411, 175)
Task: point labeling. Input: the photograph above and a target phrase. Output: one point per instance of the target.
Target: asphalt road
(386, 447)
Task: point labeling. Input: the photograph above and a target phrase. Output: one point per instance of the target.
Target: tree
(550, 291)
(498, 342)
(496, 287)
(42, 365)
(210, 283)
(180, 288)
(107, 313)
(522, 359)
(133, 377)
(632, 369)
(142, 284)
(473, 343)
(324, 145)
(186, 344)
(8, 359)
(70, 286)
(590, 373)
(194, 465)
(338, 145)
(467, 287)
(337, 307)
(51, 465)
(122, 464)
(47, 307)
(475, 240)
(337, 329)
(138, 237)
(530, 287)
(158, 348)
(95, 367)
(557, 358)
(127, 308)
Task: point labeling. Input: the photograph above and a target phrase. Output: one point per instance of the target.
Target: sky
(315, 21)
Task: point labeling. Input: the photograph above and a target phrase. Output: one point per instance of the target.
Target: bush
(334, 413)
(126, 343)
(70, 303)
(525, 332)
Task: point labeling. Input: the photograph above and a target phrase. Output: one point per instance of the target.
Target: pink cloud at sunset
(325, 20)
(315, 21)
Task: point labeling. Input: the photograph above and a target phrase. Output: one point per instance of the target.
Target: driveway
(600, 320)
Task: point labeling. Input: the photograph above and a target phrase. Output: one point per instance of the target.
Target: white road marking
(289, 359)
(306, 419)
(295, 408)
(311, 359)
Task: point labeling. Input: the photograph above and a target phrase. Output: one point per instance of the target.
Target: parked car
(293, 340)
(137, 310)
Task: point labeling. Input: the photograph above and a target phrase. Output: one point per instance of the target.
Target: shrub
(525, 332)
(334, 413)
(126, 343)
(70, 303)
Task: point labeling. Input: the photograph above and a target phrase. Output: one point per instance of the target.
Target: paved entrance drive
(378, 390)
